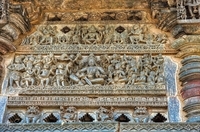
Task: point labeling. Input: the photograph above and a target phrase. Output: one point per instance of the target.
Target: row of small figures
(71, 114)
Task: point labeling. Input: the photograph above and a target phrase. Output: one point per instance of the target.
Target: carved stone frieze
(94, 72)
(97, 90)
(96, 38)
(86, 101)
(95, 34)
(70, 114)
(99, 61)
(108, 126)
(188, 11)
(106, 49)
(132, 127)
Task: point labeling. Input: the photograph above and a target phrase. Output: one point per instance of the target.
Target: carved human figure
(132, 77)
(31, 40)
(60, 74)
(45, 75)
(132, 70)
(161, 39)
(159, 59)
(38, 64)
(114, 59)
(29, 76)
(49, 59)
(72, 65)
(160, 78)
(142, 77)
(119, 76)
(149, 38)
(141, 115)
(68, 114)
(93, 36)
(132, 64)
(105, 61)
(33, 114)
(117, 38)
(109, 33)
(182, 12)
(136, 34)
(76, 36)
(46, 38)
(16, 69)
(146, 61)
(104, 114)
(92, 74)
(193, 7)
(151, 78)
(28, 61)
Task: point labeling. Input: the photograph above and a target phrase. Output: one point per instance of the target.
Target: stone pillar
(189, 51)
(190, 78)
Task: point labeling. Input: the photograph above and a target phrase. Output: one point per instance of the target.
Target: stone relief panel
(123, 101)
(70, 71)
(3, 12)
(188, 11)
(137, 38)
(69, 114)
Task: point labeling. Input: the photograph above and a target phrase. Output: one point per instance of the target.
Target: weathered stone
(99, 62)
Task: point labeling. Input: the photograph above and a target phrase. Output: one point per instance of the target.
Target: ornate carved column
(189, 50)
(13, 22)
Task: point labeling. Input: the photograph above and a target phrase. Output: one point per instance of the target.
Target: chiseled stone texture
(68, 127)
(3, 102)
(159, 127)
(173, 102)
(102, 127)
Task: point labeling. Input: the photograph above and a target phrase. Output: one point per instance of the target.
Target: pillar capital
(187, 45)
